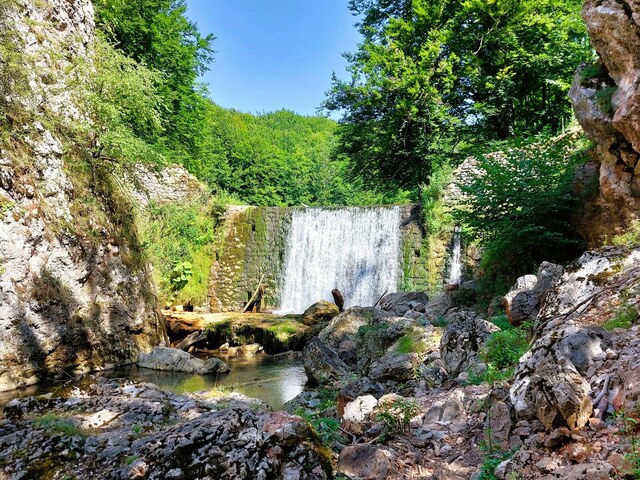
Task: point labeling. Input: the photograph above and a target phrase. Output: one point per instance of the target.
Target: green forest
(432, 83)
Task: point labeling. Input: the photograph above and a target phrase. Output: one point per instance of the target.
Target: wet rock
(462, 339)
(307, 402)
(359, 409)
(367, 462)
(319, 312)
(174, 360)
(403, 302)
(323, 365)
(158, 435)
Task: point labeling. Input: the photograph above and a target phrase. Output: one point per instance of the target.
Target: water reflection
(274, 379)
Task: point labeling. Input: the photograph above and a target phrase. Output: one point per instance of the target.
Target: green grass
(502, 322)
(408, 344)
(604, 99)
(624, 317)
(55, 424)
(631, 237)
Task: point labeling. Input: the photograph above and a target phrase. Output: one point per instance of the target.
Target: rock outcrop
(462, 341)
(551, 381)
(74, 294)
(606, 100)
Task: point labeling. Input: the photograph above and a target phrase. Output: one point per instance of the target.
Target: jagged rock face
(170, 184)
(462, 341)
(67, 302)
(551, 379)
(614, 125)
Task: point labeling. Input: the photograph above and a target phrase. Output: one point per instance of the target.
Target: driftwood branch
(254, 296)
(604, 391)
(381, 297)
(190, 340)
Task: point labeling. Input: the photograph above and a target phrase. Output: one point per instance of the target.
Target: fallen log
(190, 340)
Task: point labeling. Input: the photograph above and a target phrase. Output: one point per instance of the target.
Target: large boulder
(174, 360)
(323, 365)
(524, 300)
(438, 306)
(462, 340)
(360, 408)
(342, 332)
(396, 367)
(367, 462)
(319, 312)
(449, 409)
(401, 303)
(358, 388)
(555, 393)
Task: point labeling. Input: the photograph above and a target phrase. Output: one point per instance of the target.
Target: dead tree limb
(254, 296)
(190, 340)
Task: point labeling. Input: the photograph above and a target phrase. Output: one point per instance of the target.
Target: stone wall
(252, 243)
(69, 301)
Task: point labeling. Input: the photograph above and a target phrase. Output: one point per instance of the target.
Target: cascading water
(455, 260)
(356, 250)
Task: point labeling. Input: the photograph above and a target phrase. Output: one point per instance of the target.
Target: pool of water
(274, 379)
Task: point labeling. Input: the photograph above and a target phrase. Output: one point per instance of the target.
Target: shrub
(501, 354)
(631, 237)
(397, 415)
(179, 240)
(504, 349)
(519, 207)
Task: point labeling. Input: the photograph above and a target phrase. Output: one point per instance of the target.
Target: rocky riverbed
(119, 429)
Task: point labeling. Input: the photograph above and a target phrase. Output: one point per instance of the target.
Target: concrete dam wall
(301, 254)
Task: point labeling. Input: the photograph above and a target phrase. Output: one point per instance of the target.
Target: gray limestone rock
(174, 360)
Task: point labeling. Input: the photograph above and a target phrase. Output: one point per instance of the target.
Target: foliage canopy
(433, 78)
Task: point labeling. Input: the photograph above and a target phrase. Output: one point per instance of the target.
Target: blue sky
(273, 54)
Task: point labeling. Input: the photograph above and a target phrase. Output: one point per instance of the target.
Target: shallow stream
(274, 379)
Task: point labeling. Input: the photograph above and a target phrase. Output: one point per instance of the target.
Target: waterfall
(356, 250)
(455, 263)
